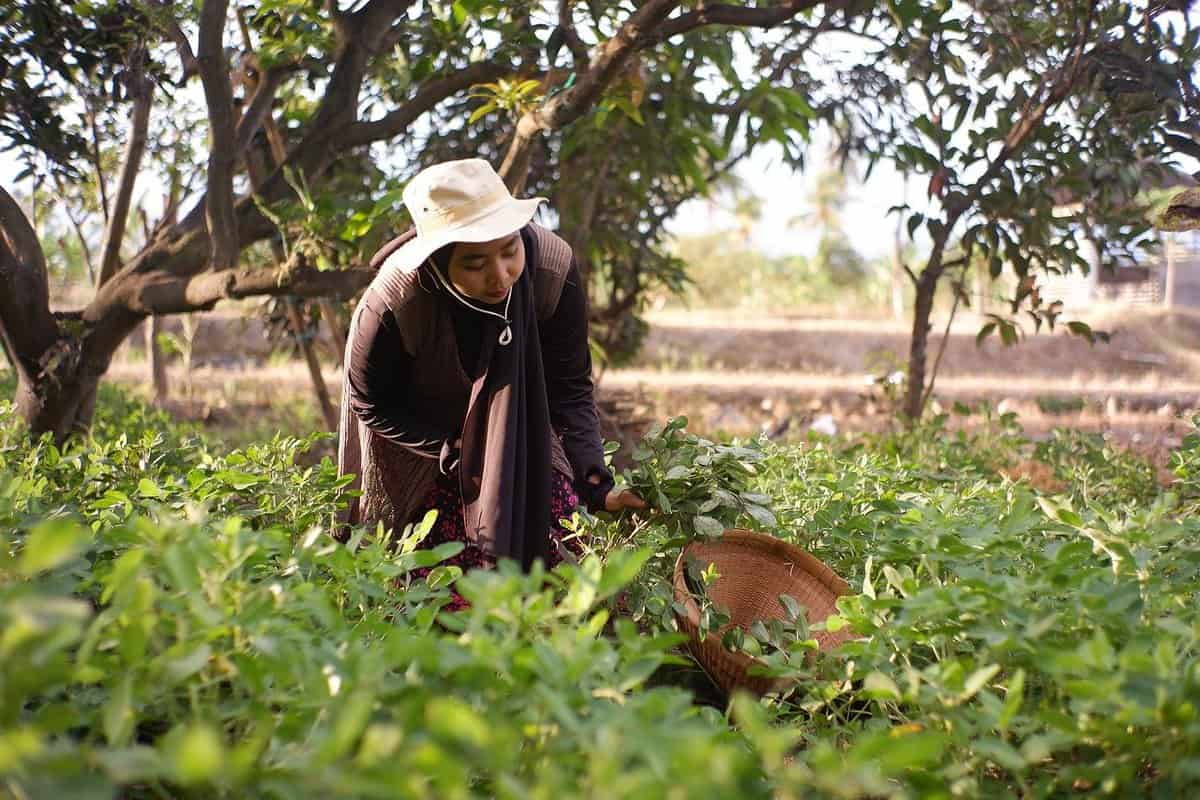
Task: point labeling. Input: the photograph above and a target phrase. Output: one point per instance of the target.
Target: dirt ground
(780, 375)
(783, 375)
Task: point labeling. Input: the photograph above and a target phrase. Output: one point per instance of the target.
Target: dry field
(744, 375)
(748, 374)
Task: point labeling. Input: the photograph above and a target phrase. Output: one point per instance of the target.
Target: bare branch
(259, 107)
(163, 293)
(78, 227)
(740, 16)
(97, 165)
(214, 73)
(141, 89)
(244, 28)
(371, 26)
(170, 26)
(579, 49)
(426, 98)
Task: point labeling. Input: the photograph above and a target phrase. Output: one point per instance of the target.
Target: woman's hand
(618, 500)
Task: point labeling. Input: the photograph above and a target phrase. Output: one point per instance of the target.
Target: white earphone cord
(506, 334)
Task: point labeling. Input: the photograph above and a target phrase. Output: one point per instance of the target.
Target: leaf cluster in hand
(699, 487)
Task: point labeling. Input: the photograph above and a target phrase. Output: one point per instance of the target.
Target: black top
(380, 369)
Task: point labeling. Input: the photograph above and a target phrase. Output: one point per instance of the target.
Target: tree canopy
(281, 131)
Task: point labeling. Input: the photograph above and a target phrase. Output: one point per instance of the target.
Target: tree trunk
(314, 365)
(918, 346)
(330, 316)
(157, 361)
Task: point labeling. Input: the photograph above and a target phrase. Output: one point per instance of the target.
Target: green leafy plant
(176, 621)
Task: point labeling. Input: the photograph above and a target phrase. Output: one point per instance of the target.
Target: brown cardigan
(394, 476)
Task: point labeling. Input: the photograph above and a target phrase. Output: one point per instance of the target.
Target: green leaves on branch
(515, 97)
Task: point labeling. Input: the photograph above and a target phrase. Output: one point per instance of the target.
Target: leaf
(977, 680)
(620, 568)
(453, 719)
(762, 516)
(51, 544)
(442, 576)
(895, 579)
(912, 750)
(148, 488)
(1000, 752)
(481, 112)
(878, 686)
(707, 526)
(792, 607)
(984, 332)
(239, 480)
(195, 753)
(868, 585)
(1013, 700)
(117, 717)
(1008, 333)
(188, 664)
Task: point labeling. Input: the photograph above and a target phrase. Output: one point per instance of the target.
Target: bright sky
(785, 195)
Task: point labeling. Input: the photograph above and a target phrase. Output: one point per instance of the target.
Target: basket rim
(809, 563)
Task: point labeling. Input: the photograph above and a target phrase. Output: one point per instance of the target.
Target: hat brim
(508, 218)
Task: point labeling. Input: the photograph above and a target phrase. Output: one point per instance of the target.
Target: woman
(468, 377)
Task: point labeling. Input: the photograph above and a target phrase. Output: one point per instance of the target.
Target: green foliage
(514, 97)
(176, 622)
(1185, 464)
(50, 50)
(1012, 642)
(1092, 468)
(724, 272)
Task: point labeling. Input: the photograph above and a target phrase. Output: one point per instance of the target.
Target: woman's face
(487, 270)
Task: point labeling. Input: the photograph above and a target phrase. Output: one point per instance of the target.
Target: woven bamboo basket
(754, 569)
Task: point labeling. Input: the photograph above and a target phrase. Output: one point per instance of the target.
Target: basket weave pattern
(754, 569)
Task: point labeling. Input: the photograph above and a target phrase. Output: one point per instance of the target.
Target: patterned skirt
(446, 499)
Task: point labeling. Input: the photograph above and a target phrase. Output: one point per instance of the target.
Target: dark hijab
(504, 466)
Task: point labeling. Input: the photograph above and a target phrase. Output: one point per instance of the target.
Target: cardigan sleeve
(568, 367)
(378, 373)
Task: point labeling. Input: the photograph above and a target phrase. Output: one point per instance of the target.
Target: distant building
(1170, 277)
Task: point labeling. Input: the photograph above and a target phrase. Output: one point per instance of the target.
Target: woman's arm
(379, 372)
(568, 365)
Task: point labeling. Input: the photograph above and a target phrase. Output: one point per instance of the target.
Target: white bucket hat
(458, 201)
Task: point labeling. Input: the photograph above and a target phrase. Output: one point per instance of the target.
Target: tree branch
(740, 16)
(259, 107)
(170, 26)
(578, 48)
(97, 165)
(141, 89)
(26, 324)
(163, 293)
(937, 361)
(84, 247)
(218, 94)
(569, 105)
(426, 98)
(1031, 117)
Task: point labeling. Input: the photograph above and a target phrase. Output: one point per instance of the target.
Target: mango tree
(338, 82)
(1033, 126)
